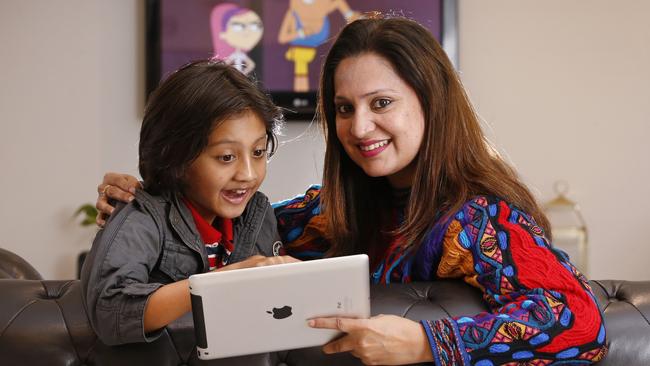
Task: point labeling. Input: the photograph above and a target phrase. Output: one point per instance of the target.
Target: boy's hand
(259, 261)
(115, 186)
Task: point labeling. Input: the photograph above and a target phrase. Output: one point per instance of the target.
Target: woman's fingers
(101, 218)
(343, 344)
(117, 186)
(346, 325)
(120, 187)
(124, 182)
(104, 208)
(107, 191)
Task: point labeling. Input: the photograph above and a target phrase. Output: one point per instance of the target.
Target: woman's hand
(259, 261)
(116, 186)
(380, 340)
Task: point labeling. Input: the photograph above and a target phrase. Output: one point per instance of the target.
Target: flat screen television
(280, 43)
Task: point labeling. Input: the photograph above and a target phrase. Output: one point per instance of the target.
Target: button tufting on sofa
(44, 323)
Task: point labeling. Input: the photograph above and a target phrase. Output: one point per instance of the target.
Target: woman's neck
(403, 178)
(400, 196)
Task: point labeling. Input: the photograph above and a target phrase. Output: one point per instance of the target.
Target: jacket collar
(246, 227)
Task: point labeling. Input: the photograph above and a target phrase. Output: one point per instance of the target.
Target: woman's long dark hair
(454, 163)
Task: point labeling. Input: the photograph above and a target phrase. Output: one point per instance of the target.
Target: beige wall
(565, 87)
(561, 83)
(70, 92)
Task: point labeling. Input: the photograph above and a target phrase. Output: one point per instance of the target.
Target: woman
(410, 180)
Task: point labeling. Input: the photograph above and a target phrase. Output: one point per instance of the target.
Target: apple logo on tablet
(281, 313)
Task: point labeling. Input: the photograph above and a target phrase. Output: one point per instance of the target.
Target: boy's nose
(246, 170)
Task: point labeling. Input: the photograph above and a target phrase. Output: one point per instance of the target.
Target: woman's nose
(362, 124)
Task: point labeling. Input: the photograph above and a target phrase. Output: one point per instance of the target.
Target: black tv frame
(297, 106)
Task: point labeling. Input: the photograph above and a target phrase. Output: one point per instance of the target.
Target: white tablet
(265, 309)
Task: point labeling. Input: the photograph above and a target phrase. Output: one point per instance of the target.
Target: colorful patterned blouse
(542, 310)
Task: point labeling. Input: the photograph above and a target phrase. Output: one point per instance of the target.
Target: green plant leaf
(89, 214)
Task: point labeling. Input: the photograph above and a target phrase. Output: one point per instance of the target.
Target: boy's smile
(227, 173)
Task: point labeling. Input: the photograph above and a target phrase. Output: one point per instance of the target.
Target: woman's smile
(373, 148)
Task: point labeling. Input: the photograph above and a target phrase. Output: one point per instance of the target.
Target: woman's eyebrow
(368, 94)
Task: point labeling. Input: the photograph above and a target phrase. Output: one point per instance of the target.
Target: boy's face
(227, 173)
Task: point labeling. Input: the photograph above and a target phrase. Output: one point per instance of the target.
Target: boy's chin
(231, 214)
(232, 211)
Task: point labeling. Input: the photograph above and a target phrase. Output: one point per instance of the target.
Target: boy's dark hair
(183, 111)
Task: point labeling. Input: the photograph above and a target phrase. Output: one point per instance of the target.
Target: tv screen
(280, 43)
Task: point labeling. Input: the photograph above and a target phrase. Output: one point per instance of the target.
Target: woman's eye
(343, 109)
(258, 153)
(381, 103)
(226, 158)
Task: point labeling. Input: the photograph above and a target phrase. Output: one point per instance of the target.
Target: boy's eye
(258, 153)
(343, 108)
(226, 158)
(381, 103)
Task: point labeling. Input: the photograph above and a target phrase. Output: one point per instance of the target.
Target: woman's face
(379, 120)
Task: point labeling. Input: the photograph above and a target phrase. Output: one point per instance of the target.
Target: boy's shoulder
(144, 210)
(136, 209)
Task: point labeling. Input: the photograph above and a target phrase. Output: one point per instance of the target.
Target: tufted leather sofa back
(13, 266)
(44, 323)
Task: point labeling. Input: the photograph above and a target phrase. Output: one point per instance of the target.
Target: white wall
(562, 84)
(70, 96)
(565, 87)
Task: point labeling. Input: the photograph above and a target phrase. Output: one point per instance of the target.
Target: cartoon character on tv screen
(235, 31)
(305, 27)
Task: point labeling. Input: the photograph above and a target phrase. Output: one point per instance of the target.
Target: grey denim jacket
(148, 243)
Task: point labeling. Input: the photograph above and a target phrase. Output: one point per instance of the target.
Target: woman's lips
(373, 148)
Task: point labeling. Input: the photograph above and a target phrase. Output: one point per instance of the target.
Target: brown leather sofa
(44, 323)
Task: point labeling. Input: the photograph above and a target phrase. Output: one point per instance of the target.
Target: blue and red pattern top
(541, 308)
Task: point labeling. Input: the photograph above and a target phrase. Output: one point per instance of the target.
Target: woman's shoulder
(487, 206)
(495, 216)
(299, 219)
(309, 199)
